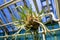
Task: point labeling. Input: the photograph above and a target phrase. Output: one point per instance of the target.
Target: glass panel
(14, 12)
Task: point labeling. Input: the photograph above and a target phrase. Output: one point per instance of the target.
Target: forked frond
(29, 18)
(41, 12)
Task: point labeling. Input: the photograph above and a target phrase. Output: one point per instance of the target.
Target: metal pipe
(47, 2)
(19, 35)
(57, 8)
(4, 1)
(8, 3)
(35, 3)
(43, 35)
(8, 23)
(58, 5)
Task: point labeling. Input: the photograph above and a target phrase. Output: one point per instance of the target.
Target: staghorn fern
(31, 19)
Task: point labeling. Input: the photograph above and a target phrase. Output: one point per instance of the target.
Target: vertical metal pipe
(25, 3)
(58, 7)
(43, 35)
(57, 3)
(36, 6)
(4, 1)
(55, 37)
(47, 2)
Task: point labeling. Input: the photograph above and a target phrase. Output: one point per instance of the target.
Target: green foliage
(41, 12)
(28, 17)
(27, 14)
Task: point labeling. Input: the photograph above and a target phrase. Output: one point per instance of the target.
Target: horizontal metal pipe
(19, 35)
(8, 3)
(8, 23)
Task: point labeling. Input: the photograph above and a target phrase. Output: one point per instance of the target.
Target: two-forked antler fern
(31, 19)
